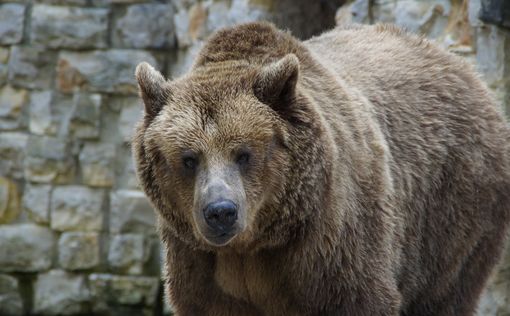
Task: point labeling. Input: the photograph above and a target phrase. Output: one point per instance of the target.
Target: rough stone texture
(100, 71)
(85, 116)
(128, 253)
(130, 114)
(41, 118)
(126, 290)
(97, 163)
(25, 248)
(31, 67)
(131, 213)
(9, 201)
(4, 69)
(12, 104)
(77, 208)
(12, 17)
(63, 27)
(78, 251)
(145, 26)
(12, 154)
(48, 160)
(60, 293)
(10, 298)
(36, 202)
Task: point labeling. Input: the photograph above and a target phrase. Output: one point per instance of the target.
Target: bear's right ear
(154, 89)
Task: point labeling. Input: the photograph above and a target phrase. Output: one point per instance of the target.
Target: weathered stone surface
(25, 248)
(41, 117)
(64, 27)
(77, 208)
(12, 154)
(48, 160)
(101, 71)
(9, 201)
(10, 298)
(98, 164)
(60, 293)
(128, 253)
(4, 69)
(124, 290)
(12, 104)
(495, 300)
(130, 114)
(78, 250)
(36, 202)
(12, 17)
(130, 212)
(417, 16)
(185, 59)
(145, 26)
(85, 116)
(31, 67)
(64, 2)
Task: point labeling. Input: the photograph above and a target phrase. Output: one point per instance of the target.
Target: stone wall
(76, 234)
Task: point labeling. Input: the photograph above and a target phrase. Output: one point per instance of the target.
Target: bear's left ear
(154, 89)
(275, 84)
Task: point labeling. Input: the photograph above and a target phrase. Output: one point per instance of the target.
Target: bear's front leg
(190, 284)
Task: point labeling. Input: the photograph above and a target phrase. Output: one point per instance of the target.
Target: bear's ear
(275, 84)
(154, 89)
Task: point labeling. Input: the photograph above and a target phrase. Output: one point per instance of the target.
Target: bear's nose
(221, 215)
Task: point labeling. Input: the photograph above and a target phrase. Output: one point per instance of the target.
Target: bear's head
(212, 149)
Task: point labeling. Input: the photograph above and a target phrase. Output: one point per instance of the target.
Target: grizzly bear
(362, 172)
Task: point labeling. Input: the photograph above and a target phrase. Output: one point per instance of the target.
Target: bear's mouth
(220, 239)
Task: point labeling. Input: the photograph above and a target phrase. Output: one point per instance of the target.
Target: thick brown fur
(382, 185)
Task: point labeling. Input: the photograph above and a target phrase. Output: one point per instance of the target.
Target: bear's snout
(221, 216)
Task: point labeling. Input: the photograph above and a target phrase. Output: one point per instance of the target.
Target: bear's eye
(189, 162)
(243, 158)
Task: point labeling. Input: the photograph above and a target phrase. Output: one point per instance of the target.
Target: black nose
(221, 215)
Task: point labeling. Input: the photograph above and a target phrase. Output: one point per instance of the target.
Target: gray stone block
(130, 114)
(10, 206)
(12, 154)
(145, 26)
(77, 208)
(97, 163)
(85, 117)
(110, 290)
(78, 250)
(101, 71)
(60, 293)
(65, 27)
(25, 248)
(42, 118)
(31, 67)
(13, 103)
(12, 17)
(36, 202)
(128, 253)
(10, 298)
(130, 212)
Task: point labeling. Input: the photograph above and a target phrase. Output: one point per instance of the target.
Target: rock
(60, 293)
(130, 212)
(123, 290)
(31, 67)
(145, 26)
(36, 202)
(12, 105)
(10, 299)
(130, 114)
(474, 7)
(78, 250)
(25, 248)
(185, 59)
(4, 69)
(41, 115)
(48, 160)
(190, 25)
(9, 201)
(128, 253)
(64, 27)
(101, 71)
(12, 18)
(98, 164)
(77, 208)
(12, 154)
(64, 2)
(383, 11)
(85, 116)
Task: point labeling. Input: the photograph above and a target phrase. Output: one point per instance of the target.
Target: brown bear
(362, 172)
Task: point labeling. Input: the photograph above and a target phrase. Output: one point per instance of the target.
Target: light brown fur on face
(377, 183)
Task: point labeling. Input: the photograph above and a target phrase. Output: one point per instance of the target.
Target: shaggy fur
(379, 183)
